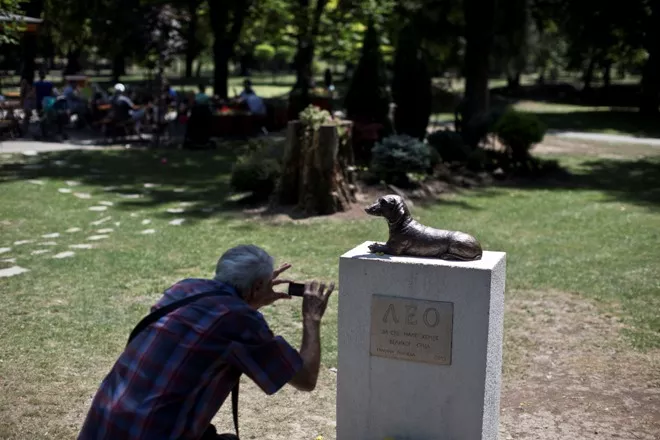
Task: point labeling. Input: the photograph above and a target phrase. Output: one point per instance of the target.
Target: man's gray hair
(243, 265)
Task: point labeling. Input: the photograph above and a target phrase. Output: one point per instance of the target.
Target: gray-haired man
(175, 374)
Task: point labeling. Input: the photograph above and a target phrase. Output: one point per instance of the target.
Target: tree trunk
(589, 74)
(513, 81)
(29, 43)
(300, 98)
(479, 40)
(246, 62)
(650, 88)
(118, 67)
(411, 86)
(198, 72)
(607, 75)
(191, 37)
(650, 84)
(304, 58)
(73, 61)
(317, 174)
(226, 19)
(221, 56)
(33, 8)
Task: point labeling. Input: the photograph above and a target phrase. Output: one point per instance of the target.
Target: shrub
(477, 129)
(397, 155)
(449, 145)
(313, 117)
(265, 148)
(518, 132)
(256, 175)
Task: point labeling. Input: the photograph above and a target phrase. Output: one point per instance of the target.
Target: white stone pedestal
(420, 347)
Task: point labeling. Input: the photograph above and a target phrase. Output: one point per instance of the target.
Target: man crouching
(174, 376)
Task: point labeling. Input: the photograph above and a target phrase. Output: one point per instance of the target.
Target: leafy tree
(194, 44)
(342, 28)
(118, 30)
(367, 99)
(307, 17)
(512, 38)
(270, 23)
(69, 26)
(10, 29)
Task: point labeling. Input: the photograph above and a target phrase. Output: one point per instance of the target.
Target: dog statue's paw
(377, 248)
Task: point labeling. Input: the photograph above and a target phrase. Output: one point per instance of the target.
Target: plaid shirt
(173, 377)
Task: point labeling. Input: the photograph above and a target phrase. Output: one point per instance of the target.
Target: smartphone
(296, 289)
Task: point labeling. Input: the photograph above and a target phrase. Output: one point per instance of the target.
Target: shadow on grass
(161, 179)
(140, 179)
(613, 121)
(633, 181)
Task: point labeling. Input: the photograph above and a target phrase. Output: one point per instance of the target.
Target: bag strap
(156, 315)
(234, 406)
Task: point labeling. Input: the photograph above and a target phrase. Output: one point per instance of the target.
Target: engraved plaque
(411, 329)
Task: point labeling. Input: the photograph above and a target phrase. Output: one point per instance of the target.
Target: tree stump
(318, 169)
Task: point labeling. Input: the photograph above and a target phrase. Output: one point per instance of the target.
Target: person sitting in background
(199, 125)
(28, 103)
(201, 98)
(70, 92)
(124, 106)
(327, 78)
(28, 98)
(255, 104)
(175, 374)
(43, 88)
(169, 94)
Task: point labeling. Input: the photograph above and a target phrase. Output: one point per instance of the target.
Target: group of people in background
(85, 99)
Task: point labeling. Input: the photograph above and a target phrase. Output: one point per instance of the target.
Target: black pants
(212, 434)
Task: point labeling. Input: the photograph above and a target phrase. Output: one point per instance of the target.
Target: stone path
(99, 202)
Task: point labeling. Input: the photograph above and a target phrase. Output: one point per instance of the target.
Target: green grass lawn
(566, 117)
(592, 119)
(594, 233)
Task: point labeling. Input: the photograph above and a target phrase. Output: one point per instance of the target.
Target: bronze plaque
(411, 329)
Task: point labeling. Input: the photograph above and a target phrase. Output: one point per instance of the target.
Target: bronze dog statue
(408, 237)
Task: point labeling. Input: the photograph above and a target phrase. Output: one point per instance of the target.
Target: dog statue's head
(391, 207)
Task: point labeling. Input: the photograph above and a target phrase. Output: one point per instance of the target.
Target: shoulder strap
(156, 315)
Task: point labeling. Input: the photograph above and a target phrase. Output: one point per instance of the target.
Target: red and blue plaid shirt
(173, 377)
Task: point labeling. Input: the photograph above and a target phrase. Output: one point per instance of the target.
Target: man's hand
(315, 300)
(272, 295)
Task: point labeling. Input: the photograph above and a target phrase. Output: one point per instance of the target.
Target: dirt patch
(286, 415)
(570, 375)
